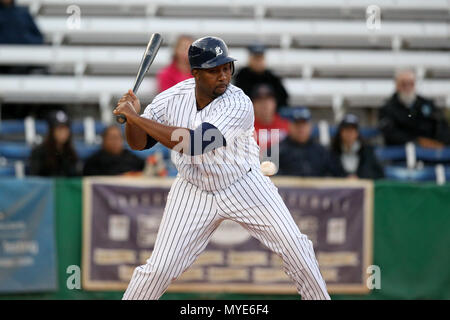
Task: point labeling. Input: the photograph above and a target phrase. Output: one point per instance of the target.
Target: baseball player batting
(208, 124)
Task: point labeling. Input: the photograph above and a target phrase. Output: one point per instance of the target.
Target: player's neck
(202, 100)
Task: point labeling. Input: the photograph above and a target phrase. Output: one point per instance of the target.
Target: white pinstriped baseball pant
(192, 215)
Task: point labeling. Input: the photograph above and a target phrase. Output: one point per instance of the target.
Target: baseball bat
(147, 59)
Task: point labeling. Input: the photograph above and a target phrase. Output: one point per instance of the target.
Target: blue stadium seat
(7, 170)
(427, 173)
(78, 127)
(12, 127)
(405, 174)
(21, 151)
(41, 127)
(433, 155)
(18, 127)
(172, 171)
(366, 132)
(84, 151)
(370, 132)
(397, 153)
(15, 150)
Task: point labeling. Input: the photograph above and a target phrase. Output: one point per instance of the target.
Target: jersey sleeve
(234, 117)
(155, 111)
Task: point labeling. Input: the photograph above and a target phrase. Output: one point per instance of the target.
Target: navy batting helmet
(208, 52)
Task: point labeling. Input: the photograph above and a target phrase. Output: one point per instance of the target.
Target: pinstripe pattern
(255, 203)
(232, 113)
(219, 185)
(189, 220)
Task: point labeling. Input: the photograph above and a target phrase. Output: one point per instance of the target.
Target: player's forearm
(136, 137)
(168, 136)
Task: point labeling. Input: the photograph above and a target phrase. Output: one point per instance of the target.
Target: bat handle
(121, 119)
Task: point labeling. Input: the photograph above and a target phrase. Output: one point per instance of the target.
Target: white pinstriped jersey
(232, 113)
(217, 186)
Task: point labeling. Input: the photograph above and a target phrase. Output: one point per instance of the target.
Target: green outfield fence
(411, 245)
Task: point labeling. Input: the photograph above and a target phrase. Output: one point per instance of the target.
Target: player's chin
(219, 90)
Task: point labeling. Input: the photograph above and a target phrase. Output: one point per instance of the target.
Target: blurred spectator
(256, 73)
(56, 156)
(17, 27)
(179, 69)
(407, 116)
(112, 158)
(266, 117)
(357, 159)
(155, 166)
(300, 155)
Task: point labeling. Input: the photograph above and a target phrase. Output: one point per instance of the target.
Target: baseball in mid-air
(268, 168)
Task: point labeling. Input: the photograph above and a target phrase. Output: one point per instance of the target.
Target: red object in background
(170, 76)
(277, 123)
(155, 166)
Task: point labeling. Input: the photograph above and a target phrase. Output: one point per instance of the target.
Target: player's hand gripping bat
(149, 55)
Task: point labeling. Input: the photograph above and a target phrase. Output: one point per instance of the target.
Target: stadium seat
(7, 170)
(121, 29)
(404, 174)
(411, 8)
(124, 60)
(396, 153)
(314, 92)
(78, 127)
(84, 151)
(15, 151)
(366, 132)
(433, 155)
(9, 127)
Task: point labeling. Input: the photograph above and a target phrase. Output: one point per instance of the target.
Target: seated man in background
(112, 158)
(17, 27)
(257, 73)
(300, 155)
(267, 120)
(179, 69)
(356, 158)
(56, 156)
(408, 117)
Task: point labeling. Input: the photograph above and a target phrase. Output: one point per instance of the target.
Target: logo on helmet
(219, 51)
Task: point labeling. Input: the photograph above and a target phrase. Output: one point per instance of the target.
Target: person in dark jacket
(17, 26)
(408, 117)
(257, 73)
(112, 158)
(356, 158)
(56, 156)
(300, 155)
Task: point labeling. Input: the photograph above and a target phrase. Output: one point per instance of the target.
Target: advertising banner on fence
(27, 240)
(121, 219)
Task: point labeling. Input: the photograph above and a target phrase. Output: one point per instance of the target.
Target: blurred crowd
(405, 117)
